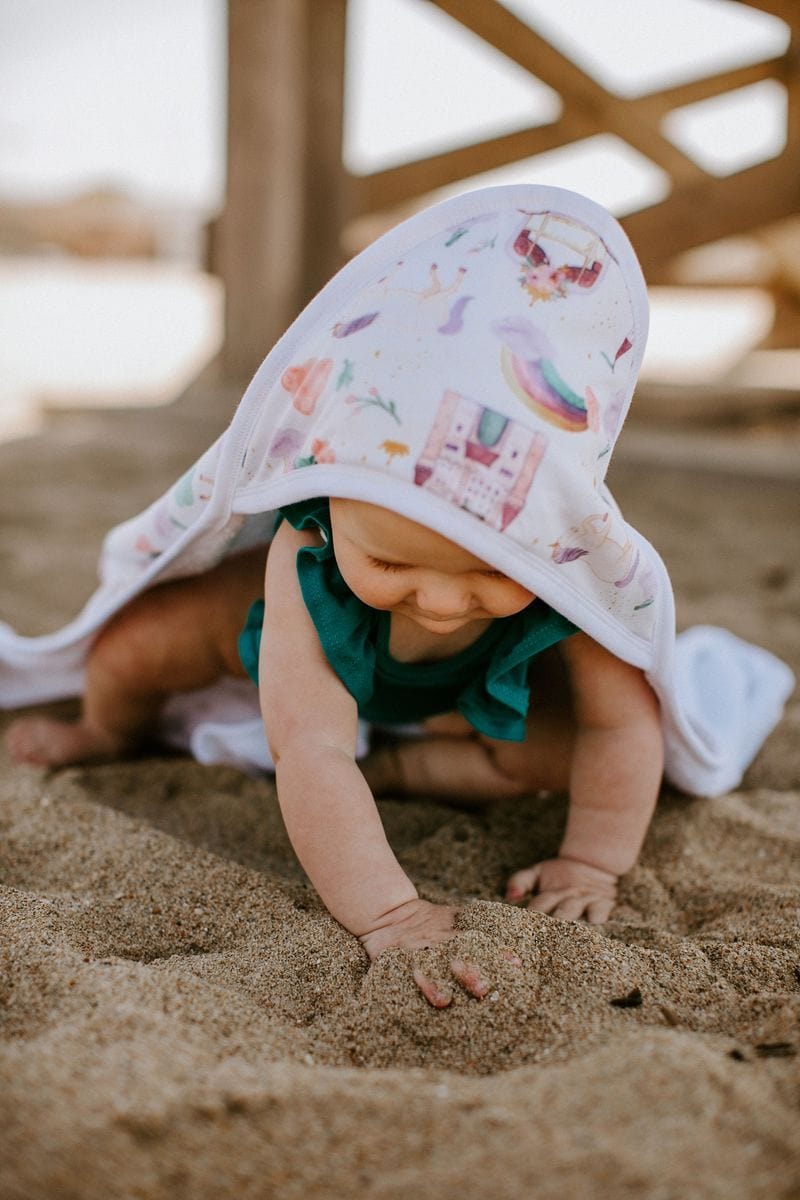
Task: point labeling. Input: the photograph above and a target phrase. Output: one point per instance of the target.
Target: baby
(599, 736)
(434, 432)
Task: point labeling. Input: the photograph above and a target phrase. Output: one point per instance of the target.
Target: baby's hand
(566, 888)
(419, 924)
(469, 975)
(413, 926)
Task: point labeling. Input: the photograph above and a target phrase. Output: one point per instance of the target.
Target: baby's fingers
(556, 900)
(468, 974)
(470, 977)
(569, 905)
(571, 909)
(598, 911)
(437, 995)
(521, 884)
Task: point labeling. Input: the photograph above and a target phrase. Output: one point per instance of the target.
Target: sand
(180, 1017)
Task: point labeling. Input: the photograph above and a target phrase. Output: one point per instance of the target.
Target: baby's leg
(457, 762)
(175, 637)
(474, 767)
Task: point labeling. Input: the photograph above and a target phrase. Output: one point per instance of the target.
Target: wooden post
(328, 195)
(278, 237)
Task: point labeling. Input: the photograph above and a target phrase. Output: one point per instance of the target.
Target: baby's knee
(513, 769)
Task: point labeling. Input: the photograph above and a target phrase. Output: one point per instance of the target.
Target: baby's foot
(47, 742)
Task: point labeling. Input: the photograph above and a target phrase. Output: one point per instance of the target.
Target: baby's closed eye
(383, 565)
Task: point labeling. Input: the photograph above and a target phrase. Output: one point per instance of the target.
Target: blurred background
(176, 180)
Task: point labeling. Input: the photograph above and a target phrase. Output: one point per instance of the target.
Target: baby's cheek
(381, 594)
(513, 599)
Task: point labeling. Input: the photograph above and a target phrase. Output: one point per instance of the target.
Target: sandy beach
(180, 1017)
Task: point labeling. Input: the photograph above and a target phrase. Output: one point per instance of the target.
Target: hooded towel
(471, 370)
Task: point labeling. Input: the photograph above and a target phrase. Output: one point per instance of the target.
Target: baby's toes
(27, 740)
(48, 742)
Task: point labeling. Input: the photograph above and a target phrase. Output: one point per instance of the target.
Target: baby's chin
(446, 625)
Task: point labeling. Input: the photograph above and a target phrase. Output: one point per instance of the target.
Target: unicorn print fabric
(470, 370)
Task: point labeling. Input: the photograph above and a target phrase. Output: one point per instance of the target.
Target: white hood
(471, 370)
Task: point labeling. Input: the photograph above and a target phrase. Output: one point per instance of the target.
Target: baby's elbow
(287, 739)
(301, 737)
(304, 754)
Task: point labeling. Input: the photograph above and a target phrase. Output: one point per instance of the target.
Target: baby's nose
(442, 596)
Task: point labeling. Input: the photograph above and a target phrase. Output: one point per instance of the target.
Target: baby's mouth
(431, 620)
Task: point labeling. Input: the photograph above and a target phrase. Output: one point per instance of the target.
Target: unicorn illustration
(610, 559)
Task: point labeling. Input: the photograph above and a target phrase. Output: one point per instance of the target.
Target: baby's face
(398, 566)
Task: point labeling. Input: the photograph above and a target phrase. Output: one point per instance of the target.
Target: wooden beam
(717, 209)
(582, 95)
(655, 104)
(396, 185)
(513, 38)
(724, 207)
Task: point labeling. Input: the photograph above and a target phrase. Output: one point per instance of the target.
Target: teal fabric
(487, 682)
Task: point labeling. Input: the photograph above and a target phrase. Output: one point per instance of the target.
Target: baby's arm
(615, 776)
(329, 812)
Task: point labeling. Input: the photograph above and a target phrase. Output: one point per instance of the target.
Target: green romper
(487, 682)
